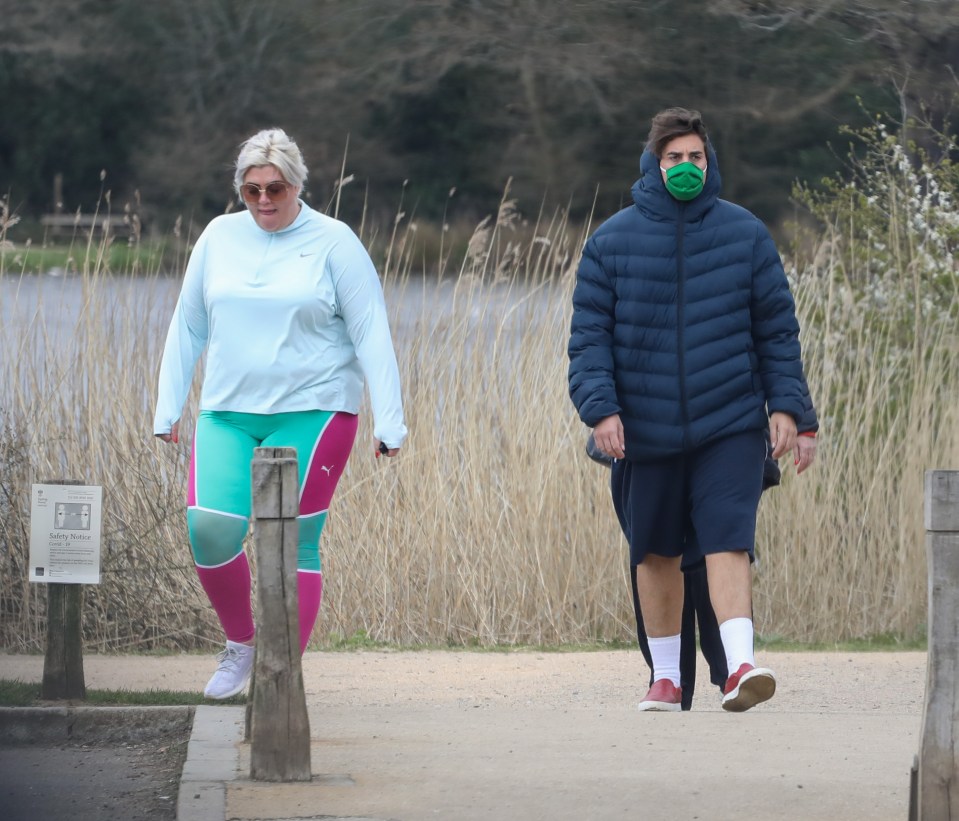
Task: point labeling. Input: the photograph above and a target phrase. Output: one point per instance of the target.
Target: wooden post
(63, 660)
(279, 726)
(938, 759)
(914, 789)
(58, 193)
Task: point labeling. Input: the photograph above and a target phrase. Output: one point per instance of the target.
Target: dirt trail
(556, 735)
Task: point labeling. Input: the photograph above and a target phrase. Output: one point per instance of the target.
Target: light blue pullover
(291, 320)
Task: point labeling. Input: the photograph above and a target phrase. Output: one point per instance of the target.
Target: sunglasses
(276, 190)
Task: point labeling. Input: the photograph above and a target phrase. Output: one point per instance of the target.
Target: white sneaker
(233, 673)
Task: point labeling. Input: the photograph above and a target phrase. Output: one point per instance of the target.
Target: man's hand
(782, 433)
(609, 438)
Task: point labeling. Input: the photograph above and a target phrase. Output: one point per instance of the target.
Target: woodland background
(430, 96)
(473, 145)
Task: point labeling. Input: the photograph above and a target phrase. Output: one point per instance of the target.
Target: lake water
(58, 303)
(46, 319)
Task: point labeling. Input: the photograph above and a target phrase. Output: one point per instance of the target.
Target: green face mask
(684, 181)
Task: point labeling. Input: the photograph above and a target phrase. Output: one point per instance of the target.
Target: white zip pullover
(291, 320)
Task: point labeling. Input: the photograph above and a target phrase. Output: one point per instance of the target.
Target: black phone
(383, 448)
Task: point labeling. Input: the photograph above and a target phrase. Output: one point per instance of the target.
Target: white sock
(737, 636)
(665, 653)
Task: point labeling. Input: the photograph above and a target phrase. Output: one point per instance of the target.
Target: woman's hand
(173, 435)
(805, 452)
(379, 447)
(609, 437)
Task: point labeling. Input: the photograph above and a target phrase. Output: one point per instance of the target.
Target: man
(684, 350)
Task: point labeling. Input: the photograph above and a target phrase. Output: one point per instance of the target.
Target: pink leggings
(219, 501)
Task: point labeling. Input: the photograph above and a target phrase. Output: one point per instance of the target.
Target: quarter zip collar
(301, 218)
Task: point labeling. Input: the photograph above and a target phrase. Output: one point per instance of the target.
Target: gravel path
(555, 735)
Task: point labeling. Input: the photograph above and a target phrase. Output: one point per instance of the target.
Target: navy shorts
(694, 503)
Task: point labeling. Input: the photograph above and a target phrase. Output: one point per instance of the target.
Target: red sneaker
(747, 687)
(663, 697)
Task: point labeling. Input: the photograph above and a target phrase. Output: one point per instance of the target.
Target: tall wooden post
(938, 753)
(58, 193)
(279, 725)
(63, 659)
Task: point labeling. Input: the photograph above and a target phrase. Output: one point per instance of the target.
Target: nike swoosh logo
(311, 254)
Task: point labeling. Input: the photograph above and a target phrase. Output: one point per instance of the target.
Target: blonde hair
(272, 146)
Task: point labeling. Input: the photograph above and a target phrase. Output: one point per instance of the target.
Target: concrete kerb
(33, 725)
(212, 760)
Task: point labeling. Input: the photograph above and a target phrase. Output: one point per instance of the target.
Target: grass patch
(118, 256)
(18, 693)
(573, 647)
(361, 640)
(883, 643)
(15, 693)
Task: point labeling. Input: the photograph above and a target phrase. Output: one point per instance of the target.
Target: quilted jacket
(683, 322)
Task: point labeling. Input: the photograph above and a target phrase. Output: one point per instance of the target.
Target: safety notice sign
(65, 534)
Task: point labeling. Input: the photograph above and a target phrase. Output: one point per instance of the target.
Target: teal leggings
(219, 493)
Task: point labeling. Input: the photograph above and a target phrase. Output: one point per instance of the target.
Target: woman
(289, 309)
(684, 349)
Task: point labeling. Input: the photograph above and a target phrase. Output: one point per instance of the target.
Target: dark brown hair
(671, 123)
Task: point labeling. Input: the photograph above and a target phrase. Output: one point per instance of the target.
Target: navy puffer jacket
(683, 322)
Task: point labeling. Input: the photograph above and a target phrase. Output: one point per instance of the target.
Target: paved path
(471, 735)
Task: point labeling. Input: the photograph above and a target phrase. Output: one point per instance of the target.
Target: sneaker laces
(229, 660)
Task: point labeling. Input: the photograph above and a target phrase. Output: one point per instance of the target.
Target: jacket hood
(652, 198)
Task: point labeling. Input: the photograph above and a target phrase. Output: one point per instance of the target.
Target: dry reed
(491, 527)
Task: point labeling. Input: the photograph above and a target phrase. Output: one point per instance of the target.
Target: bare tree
(542, 58)
(228, 67)
(915, 42)
(57, 28)
(555, 93)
